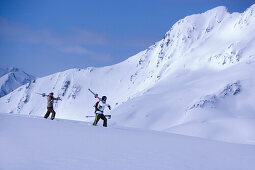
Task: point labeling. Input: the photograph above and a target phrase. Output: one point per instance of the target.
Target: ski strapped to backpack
(96, 107)
(96, 95)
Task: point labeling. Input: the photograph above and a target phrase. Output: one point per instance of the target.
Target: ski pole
(90, 116)
(107, 116)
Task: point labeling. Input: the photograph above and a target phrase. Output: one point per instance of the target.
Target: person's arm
(58, 98)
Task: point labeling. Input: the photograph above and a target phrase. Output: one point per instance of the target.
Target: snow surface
(28, 143)
(198, 81)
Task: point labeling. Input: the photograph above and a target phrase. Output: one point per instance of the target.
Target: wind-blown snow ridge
(212, 53)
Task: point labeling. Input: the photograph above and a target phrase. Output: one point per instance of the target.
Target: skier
(99, 110)
(50, 101)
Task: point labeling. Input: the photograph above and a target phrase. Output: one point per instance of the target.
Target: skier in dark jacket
(99, 106)
(50, 101)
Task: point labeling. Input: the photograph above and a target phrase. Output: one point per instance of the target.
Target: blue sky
(47, 36)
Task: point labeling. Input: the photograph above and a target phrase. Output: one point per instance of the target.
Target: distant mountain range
(12, 78)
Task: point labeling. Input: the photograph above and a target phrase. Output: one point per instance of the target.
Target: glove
(109, 107)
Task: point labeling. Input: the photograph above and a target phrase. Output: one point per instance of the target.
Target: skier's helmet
(104, 98)
(51, 93)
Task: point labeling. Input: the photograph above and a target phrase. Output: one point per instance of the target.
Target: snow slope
(202, 103)
(198, 81)
(36, 143)
(12, 78)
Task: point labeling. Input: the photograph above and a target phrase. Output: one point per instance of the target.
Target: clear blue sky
(47, 36)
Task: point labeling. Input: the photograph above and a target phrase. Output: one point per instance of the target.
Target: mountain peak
(12, 69)
(4, 71)
(251, 8)
(219, 9)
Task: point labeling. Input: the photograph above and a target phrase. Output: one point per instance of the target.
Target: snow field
(28, 143)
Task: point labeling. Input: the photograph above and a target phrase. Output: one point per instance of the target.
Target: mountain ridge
(200, 57)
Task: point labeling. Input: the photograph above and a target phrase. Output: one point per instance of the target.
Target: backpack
(96, 106)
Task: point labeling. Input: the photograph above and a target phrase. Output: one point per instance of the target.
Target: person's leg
(47, 113)
(105, 120)
(96, 119)
(53, 114)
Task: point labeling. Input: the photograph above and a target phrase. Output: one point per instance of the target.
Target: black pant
(100, 116)
(49, 110)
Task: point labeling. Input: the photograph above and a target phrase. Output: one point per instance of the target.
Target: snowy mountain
(198, 81)
(12, 78)
(36, 143)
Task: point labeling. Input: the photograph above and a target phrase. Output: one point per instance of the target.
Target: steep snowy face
(200, 69)
(197, 41)
(12, 78)
(214, 39)
(206, 64)
(191, 31)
